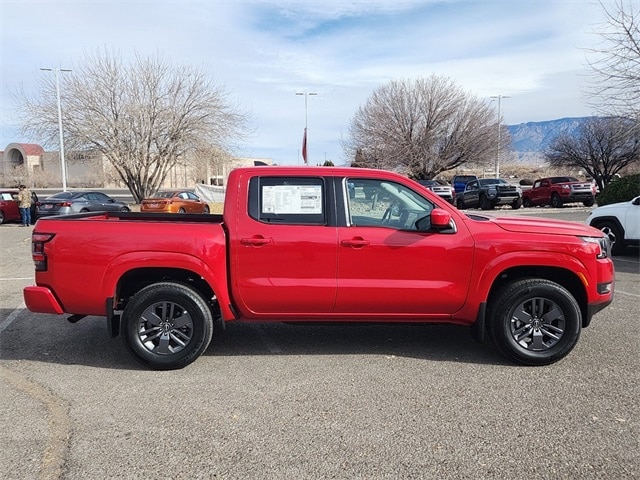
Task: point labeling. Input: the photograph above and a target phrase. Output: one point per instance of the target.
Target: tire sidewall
(181, 295)
(514, 295)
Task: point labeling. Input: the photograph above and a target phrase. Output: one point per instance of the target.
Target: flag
(304, 146)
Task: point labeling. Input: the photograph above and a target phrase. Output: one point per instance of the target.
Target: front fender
(496, 266)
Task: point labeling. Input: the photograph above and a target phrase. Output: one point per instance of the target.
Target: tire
(516, 204)
(589, 203)
(485, 203)
(124, 209)
(612, 231)
(1, 217)
(206, 209)
(182, 210)
(167, 326)
(526, 202)
(526, 336)
(556, 201)
(459, 203)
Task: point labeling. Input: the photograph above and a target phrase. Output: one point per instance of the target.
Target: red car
(174, 201)
(9, 211)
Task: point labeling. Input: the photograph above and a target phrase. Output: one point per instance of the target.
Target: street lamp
(62, 162)
(304, 138)
(497, 164)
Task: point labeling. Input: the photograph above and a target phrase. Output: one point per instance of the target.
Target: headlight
(603, 244)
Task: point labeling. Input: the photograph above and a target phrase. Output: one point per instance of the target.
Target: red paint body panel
(41, 299)
(315, 272)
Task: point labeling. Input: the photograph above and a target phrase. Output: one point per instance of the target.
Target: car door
(541, 195)
(283, 250)
(9, 206)
(632, 220)
(471, 194)
(195, 203)
(389, 268)
(103, 202)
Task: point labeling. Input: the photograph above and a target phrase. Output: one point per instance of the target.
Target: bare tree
(603, 146)
(422, 128)
(145, 116)
(615, 62)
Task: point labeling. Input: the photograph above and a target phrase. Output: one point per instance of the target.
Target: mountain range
(530, 140)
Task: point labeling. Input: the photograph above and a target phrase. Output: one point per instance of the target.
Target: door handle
(358, 242)
(257, 241)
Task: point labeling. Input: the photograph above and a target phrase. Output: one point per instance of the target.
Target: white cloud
(265, 51)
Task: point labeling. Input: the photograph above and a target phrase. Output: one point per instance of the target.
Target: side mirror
(439, 220)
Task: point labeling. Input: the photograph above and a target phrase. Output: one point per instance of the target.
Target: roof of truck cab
(317, 170)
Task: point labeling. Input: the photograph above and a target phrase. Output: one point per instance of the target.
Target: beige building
(28, 163)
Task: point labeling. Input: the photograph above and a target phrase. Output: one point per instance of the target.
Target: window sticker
(296, 199)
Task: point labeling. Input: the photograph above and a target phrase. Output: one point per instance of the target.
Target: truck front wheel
(485, 203)
(534, 321)
(167, 326)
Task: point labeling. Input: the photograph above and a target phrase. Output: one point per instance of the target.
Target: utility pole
(497, 163)
(63, 165)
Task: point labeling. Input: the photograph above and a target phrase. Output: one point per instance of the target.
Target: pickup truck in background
(557, 191)
(487, 193)
(305, 244)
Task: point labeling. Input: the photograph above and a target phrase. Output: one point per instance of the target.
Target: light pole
(497, 164)
(304, 138)
(62, 161)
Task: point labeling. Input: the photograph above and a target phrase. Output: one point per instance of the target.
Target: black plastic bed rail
(135, 216)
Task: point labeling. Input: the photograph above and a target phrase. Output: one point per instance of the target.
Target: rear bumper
(41, 300)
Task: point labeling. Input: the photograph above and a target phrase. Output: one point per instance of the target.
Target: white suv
(620, 222)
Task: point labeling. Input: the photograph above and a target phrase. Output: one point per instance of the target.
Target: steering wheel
(393, 209)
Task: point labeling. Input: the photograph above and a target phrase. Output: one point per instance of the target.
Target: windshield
(492, 181)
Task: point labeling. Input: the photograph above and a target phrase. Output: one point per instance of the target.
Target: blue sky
(263, 52)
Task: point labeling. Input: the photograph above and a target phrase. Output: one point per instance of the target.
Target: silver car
(65, 203)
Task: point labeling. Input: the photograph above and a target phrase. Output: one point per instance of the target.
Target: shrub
(620, 190)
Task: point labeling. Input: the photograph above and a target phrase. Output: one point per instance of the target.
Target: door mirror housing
(439, 220)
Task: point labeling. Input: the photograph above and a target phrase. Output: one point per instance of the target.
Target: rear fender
(215, 275)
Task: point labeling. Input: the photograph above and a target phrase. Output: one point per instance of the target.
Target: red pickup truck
(556, 191)
(307, 244)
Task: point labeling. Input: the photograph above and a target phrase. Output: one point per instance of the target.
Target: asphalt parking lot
(284, 402)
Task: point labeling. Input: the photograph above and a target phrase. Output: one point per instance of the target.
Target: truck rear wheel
(556, 201)
(167, 326)
(534, 321)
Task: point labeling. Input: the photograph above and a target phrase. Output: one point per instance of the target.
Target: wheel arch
(129, 273)
(598, 221)
(562, 276)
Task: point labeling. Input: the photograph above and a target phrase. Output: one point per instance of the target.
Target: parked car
(441, 189)
(556, 191)
(618, 221)
(65, 203)
(174, 201)
(9, 211)
(486, 193)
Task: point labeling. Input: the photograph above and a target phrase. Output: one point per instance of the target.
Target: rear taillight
(38, 254)
(65, 204)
